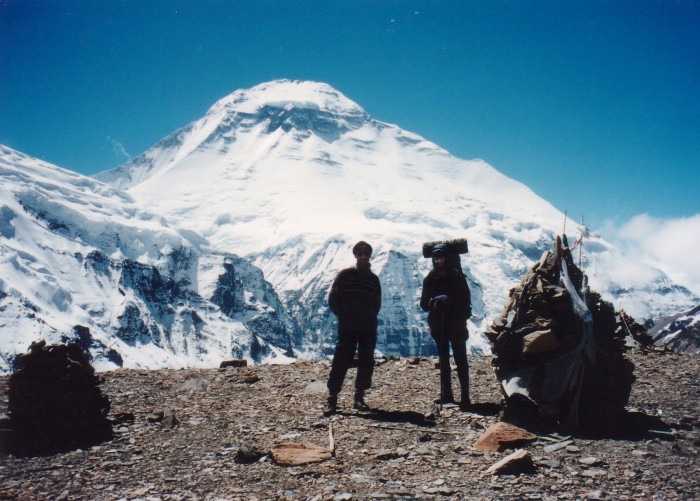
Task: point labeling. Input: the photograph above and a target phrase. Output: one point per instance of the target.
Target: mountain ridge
(80, 261)
(292, 189)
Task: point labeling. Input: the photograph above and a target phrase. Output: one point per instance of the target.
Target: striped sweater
(355, 298)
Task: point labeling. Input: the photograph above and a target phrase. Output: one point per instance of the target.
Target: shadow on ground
(485, 409)
(418, 419)
(632, 426)
(382, 416)
(640, 426)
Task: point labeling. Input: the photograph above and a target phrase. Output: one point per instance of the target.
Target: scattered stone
(169, 420)
(249, 379)
(665, 435)
(197, 461)
(593, 472)
(550, 463)
(247, 454)
(155, 417)
(316, 387)
(425, 437)
(387, 454)
(518, 462)
(193, 385)
(590, 461)
(573, 448)
(556, 447)
(501, 436)
(598, 495)
(233, 363)
(422, 450)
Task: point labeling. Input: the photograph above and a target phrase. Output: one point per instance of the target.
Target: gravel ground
(394, 453)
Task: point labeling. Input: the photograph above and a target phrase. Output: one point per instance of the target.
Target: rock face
(560, 349)
(55, 403)
(680, 332)
(80, 262)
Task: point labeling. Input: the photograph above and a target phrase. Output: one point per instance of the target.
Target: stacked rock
(559, 349)
(55, 403)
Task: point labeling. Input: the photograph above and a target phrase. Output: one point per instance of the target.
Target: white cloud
(672, 245)
(119, 149)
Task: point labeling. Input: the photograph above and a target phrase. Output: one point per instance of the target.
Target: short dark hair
(361, 245)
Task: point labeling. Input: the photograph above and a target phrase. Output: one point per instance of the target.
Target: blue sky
(595, 105)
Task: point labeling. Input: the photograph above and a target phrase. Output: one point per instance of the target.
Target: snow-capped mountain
(291, 174)
(80, 260)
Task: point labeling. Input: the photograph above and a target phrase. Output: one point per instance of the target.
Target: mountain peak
(286, 94)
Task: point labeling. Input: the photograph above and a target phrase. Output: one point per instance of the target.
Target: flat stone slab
(501, 436)
(518, 462)
(294, 454)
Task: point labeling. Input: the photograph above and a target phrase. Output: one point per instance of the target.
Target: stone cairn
(559, 352)
(55, 403)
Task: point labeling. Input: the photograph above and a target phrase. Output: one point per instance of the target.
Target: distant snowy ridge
(290, 174)
(81, 261)
(679, 332)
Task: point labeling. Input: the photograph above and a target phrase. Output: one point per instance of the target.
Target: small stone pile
(55, 403)
(559, 364)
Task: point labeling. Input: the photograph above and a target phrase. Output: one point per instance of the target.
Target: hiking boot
(465, 403)
(331, 406)
(360, 404)
(446, 398)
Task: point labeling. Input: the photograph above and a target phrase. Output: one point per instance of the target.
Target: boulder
(233, 363)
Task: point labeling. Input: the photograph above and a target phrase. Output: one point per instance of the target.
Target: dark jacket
(356, 298)
(457, 308)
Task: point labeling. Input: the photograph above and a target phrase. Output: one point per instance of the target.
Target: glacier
(81, 261)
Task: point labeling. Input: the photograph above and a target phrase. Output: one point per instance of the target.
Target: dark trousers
(349, 341)
(458, 339)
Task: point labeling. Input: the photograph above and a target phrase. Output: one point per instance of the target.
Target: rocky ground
(394, 453)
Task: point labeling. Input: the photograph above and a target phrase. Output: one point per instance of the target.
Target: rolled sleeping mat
(455, 246)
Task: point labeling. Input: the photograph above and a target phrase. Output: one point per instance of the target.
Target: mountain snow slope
(679, 332)
(290, 174)
(80, 260)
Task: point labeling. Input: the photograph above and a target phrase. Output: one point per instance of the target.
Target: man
(355, 298)
(447, 298)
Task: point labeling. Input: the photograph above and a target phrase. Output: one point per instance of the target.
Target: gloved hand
(438, 301)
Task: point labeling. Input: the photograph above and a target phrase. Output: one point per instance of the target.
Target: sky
(595, 105)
